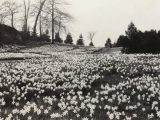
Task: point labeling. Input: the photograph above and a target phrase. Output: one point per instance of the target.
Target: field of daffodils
(81, 87)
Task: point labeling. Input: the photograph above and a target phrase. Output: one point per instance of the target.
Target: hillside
(116, 50)
(71, 49)
(15, 52)
(9, 35)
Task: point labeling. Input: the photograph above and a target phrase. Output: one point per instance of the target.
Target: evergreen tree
(91, 44)
(108, 43)
(80, 40)
(131, 30)
(57, 38)
(47, 32)
(69, 39)
(122, 41)
(136, 41)
(134, 38)
(45, 36)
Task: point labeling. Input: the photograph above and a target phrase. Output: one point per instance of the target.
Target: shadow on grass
(13, 59)
(112, 79)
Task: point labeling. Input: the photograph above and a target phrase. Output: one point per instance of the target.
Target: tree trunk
(40, 21)
(12, 19)
(59, 26)
(53, 22)
(37, 17)
(26, 14)
(40, 26)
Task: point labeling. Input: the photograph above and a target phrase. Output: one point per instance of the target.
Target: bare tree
(26, 14)
(11, 8)
(2, 18)
(53, 8)
(2, 15)
(91, 36)
(55, 17)
(37, 16)
(62, 19)
(50, 10)
(40, 21)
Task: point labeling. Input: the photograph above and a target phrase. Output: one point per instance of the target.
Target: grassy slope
(33, 49)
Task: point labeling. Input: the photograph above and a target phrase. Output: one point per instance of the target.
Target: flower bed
(18, 56)
(80, 87)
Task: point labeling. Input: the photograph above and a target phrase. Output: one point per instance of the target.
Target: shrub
(58, 38)
(44, 38)
(80, 41)
(69, 39)
(108, 43)
(9, 35)
(136, 41)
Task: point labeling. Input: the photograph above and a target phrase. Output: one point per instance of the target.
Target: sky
(110, 18)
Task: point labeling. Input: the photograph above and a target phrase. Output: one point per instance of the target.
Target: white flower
(150, 115)
(65, 113)
(46, 111)
(117, 116)
(134, 115)
(41, 107)
(154, 104)
(29, 118)
(85, 118)
(111, 116)
(77, 115)
(143, 109)
(128, 118)
(38, 112)
(158, 114)
(55, 115)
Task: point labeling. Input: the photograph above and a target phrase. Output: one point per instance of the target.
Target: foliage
(44, 37)
(108, 43)
(80, 41)
(69, 39)
(9, 35)
(34, 37)
(10, 8)
(91, 44)
(25, 35)
(136, 41)
(58, 38)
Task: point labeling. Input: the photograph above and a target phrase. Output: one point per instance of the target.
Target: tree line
(43, 15)
(136, 41)
(39, 19)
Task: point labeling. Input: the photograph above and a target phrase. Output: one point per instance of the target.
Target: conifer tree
(91, 44)
(69, 39)
(80, 41)
(58, 38)
(108, 43)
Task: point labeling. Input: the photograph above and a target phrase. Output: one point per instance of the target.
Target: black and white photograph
(79, 59)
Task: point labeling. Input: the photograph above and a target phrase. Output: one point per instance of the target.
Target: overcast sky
(110, 18)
